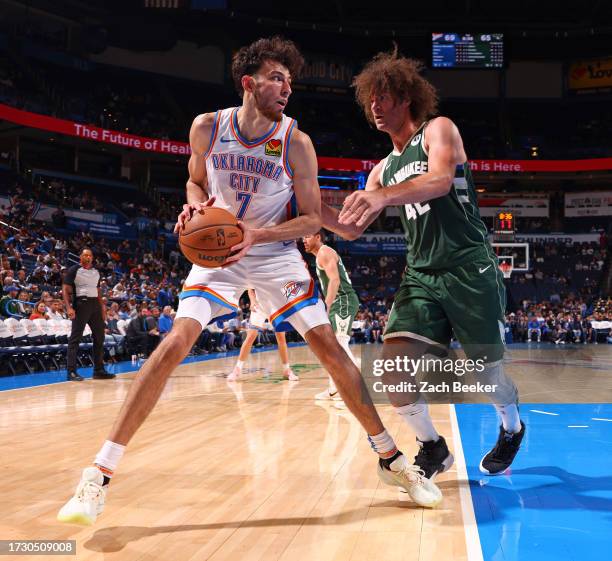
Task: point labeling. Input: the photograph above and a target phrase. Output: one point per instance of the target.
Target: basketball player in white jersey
(257, 321)
(254, 162)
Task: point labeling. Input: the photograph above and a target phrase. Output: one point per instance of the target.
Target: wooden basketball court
(253, 470)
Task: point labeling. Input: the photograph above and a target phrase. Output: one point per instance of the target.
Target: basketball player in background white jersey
(252, 161)
(257, 321)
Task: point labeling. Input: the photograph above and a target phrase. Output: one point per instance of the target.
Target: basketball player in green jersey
(452, 281)
(340, 299)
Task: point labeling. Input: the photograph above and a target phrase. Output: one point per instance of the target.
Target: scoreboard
(467, 50)
(503, 226)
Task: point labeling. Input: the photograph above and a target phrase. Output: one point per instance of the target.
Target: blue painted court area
(125, 367)
(556, 504)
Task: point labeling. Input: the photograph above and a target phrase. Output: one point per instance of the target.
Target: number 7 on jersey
(245, 200)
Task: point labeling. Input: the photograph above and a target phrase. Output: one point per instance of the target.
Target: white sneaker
(290, 375)
(326, 395)
(88, 500)
(234, 374)
(422, 491)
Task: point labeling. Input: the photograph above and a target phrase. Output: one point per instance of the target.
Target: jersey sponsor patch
(274, 147)
(292, 288)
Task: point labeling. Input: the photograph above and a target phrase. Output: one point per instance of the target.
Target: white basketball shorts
(286, 292)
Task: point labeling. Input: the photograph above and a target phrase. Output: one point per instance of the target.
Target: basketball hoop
(506, 269)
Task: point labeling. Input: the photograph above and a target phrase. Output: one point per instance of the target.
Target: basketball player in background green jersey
(340, 299)
(452, 281)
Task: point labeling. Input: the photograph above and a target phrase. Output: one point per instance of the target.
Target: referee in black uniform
(84, 305)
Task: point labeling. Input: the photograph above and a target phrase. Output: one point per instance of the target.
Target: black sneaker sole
(487, 472)
(505, 470)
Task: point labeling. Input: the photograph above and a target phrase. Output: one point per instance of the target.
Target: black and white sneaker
(433, 457)
(499, 459)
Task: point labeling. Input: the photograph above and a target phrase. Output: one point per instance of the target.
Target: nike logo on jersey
(285, 244)
(228, 139)
(483, 270)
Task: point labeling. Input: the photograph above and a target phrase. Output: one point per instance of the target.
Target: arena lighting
(332, 187)
(341, 177)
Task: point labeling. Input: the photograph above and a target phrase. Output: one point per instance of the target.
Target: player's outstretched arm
(352, 230)
(445, 149)
(197, 196)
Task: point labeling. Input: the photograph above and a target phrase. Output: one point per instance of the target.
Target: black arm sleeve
(70, 275)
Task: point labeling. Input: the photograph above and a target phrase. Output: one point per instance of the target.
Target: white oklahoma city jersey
(253, 180)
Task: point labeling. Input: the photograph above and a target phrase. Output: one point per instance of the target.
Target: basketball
(207, 238)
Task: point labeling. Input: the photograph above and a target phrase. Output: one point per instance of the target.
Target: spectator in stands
(376, 329)
(40, 311)
(590, 335)
(576, 329)
(232, 330)
(22, 280)
(155, 314)
(521, 329)
(119, 292)
(24, 306)
(56, 312)
(112, 332)
(142, 335)
(165, 322)
(8, 303)
(561, 330)
(164, 296)
(533, 327)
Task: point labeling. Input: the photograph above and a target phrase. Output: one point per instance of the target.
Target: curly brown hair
(400, 77)
(248, 60)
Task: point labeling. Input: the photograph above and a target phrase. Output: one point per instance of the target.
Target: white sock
(109, 456)
(332, 389)
(417, 418)
(344, 341)
(239, 364)
(509, 417)
(383, 444)
(286, 367)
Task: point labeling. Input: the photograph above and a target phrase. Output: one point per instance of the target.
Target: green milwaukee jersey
(345, 290)
(444, 232)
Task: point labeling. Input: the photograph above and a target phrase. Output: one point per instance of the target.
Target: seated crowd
(141, 280)
(572, 320)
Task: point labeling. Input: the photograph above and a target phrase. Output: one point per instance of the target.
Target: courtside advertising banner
(593, 203)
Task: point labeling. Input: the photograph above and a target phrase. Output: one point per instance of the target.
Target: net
(506, 268)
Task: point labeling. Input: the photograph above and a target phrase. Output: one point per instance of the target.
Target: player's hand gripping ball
(208, 236)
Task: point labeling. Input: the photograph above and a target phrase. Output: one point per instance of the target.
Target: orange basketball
(208, 237)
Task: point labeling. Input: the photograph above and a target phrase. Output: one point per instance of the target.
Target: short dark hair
(248, 60)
